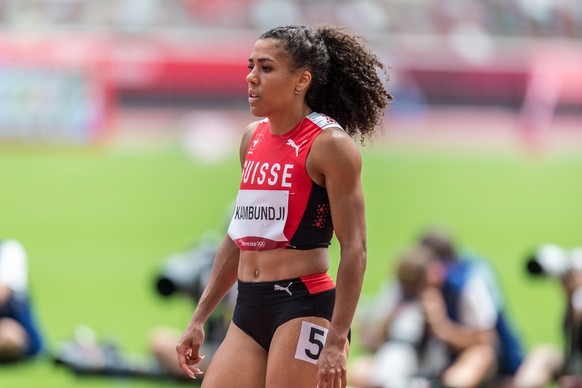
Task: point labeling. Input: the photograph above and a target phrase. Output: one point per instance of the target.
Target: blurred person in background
(317, 89)
(463, 307)
(20, 337)
(547, 364)
(554, 80)
(393, 330)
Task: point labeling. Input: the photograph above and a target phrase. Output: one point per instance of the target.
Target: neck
(283, 124)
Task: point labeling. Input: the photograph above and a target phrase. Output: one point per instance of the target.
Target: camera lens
(534, 267)
(165, 286)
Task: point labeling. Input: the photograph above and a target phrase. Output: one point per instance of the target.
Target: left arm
(335, 162)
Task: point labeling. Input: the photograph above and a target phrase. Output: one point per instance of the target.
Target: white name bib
(259, 219)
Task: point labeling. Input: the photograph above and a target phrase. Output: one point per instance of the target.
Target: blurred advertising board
(64, 88)
(46, 104)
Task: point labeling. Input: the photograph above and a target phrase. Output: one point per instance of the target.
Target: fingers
(190, 370)
(335, 377)
(182, 364)
(186, 362)
(321, 378)
(321, 382)
(194, 360)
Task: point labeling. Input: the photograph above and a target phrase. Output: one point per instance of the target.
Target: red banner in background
(214, 67)
(140, 64)
(63, 89)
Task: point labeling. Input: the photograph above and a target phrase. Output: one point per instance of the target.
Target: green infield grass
(97, 225)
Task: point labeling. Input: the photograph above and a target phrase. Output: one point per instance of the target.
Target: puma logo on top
(291, 143)
(281, 288)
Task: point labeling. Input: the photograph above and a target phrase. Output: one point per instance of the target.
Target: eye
(266, 69)
(250, 67)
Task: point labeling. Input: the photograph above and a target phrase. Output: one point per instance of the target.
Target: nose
(252, 77)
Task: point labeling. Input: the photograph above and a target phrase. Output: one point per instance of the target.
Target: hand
(332, 367)
(188, 349)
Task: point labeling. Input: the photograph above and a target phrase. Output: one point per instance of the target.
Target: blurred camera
(554, 261)
(187, 272)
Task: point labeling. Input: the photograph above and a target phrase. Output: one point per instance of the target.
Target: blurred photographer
(393, 330)
(463, 307)
(546, 363)
(444, 322)
(19, 334)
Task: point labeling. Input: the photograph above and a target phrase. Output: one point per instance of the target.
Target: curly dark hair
(345, 81)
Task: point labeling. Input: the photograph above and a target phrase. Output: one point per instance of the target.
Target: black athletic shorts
(261, 307)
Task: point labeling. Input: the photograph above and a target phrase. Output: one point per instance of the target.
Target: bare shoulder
(246, 139)
(336, 144)
(252, 127)
(249, 131)
(333, 152)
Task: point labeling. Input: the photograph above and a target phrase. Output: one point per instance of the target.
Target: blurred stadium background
(119, 123)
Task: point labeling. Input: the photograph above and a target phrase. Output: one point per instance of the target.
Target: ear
(303, 81)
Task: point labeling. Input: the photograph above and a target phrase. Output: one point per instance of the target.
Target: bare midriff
(278, 264)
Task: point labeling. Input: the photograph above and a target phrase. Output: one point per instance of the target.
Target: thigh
(294, 352)
(238, 362)
(472, 367)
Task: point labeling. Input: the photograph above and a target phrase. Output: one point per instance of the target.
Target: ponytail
(354, 94)
(345, 75)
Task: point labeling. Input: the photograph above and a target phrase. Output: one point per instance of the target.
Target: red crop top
(278, 205)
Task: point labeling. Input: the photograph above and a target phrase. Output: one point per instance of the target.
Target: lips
(253, 96)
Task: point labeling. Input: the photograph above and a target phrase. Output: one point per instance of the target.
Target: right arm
(222, 277)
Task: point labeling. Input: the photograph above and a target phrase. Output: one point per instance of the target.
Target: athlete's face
(271, 81)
